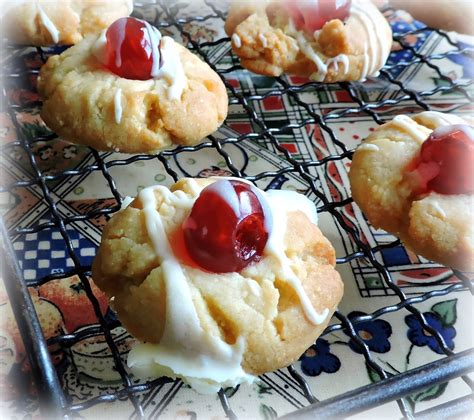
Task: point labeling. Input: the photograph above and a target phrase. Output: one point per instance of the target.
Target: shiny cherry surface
(446, 161)
(129, 48)
(311, 15)
(225, 230)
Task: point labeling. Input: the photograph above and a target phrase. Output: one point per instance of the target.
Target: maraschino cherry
(132, 48)
(311, 15)
(446, 161)
(226, 228)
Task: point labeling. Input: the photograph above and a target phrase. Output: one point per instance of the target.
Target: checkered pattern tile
(44, 253)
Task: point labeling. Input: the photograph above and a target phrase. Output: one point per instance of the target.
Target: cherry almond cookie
(327, 40)
(413, 177)
(130, 89)
(219, 280)
(64, 22)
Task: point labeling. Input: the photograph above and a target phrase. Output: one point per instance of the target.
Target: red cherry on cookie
(132, 48)
(311, 15)
(226, 228)
(446, 161)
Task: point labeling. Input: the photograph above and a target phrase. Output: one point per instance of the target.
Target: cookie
(240, 323)
(162, 96)
(327, 41)
(64, 22)
(388, 176)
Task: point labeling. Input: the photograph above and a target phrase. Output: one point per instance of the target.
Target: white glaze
(263, 40)
(360, 14)
(154, 38)
(411, 126)
(440, 119)
(341, 58)
(281, 202)
(466, 129)
(98, 47)
(218, 364)
(172, 70)
(438, 209)
(118, 47)
(129, 4)
(227, 193)
(118, 105)
(369, 147)
(308, 51)
(377, 50)
(48, 24)
(236, 40)
(365, 65)
(294, 201)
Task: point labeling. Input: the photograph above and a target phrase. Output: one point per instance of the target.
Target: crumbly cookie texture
(263, 37)
(254, 304)
(64, 22)
(437, 226)
(81, 99)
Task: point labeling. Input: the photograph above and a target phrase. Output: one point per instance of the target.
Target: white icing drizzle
(309, 52)
(218, 364)
(98, 47)
(368, 147)
(438, 209)
(263, 40)
(365, 65)
(48, 24)
(280, 202)
(118, 46)
(466, 129)
(370, 29)
(378, 50)
(411, 126)
(172, 70)
(236, 40)
(440, 119)
(129, 4)
(316, 34)
(293, 201)
(307, 49)
(228, 194)
(118, 105)
(154, 38)
(341, 58)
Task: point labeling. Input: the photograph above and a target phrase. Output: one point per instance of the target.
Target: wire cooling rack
(52, 398)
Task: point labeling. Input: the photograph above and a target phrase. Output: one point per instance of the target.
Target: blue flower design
(465, 60)
(374, 333)
(318, 358)
(421, 338)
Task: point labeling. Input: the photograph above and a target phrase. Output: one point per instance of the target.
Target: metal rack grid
(394, 388)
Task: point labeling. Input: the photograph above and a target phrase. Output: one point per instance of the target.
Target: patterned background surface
(334, 364)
